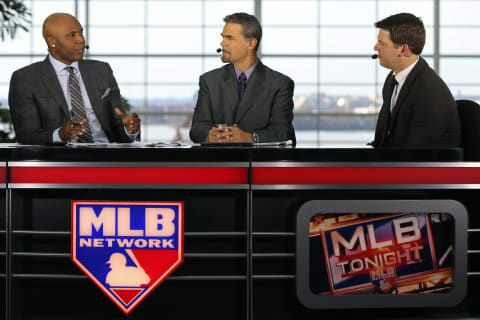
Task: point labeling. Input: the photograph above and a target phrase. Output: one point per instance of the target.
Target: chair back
(469, 113)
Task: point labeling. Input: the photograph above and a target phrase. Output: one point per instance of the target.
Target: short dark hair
(405, 28)
(250, 26)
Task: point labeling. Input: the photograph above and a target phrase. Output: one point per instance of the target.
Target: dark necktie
(78, 109)
(242, 83)
(387, 106)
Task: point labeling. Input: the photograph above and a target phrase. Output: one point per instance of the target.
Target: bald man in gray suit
(41, 101)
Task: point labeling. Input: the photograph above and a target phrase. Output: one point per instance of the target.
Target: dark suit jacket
(265, 108)
(425, 114)
(38, 105)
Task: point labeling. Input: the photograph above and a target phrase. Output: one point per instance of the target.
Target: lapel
(382, 115)
(255, 86)
(89, 77)
(406, 88)
(230, 94)
(50, 80)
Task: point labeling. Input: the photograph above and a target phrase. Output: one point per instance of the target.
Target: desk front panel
(224, 192)
(280, 189)
(3, 235)
(212, 278)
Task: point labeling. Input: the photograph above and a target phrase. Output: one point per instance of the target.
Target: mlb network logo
(127, 248)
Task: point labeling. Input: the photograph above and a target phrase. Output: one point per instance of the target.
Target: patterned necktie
(78, 109)
(387, 106)
(242, 84)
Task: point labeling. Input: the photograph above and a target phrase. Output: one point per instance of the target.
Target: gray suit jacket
(425, 114)
(265, 108)
(38, 105)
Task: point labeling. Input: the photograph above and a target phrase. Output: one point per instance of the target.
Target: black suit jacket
(265, 108)
(425, 114)
(38, 105)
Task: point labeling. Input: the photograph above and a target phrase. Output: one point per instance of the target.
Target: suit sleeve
(280, 124)
(25, 112)
(202, 117)
(431, 117)
(115, 102)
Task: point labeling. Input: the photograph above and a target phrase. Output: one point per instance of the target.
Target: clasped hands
(74, 128)
(228, 134)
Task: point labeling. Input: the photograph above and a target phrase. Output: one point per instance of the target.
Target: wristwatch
(255, 138)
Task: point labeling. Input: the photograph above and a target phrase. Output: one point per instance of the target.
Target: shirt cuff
(56, 136)
(132, 136)
(255, 137)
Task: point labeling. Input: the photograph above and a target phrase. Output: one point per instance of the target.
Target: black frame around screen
(374, 207)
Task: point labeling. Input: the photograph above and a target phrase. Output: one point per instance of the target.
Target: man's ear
(406, 51)
(51, 41)
(252, 43)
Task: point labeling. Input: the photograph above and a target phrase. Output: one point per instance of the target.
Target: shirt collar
(247, 72)
(402, 75)
(60, 66)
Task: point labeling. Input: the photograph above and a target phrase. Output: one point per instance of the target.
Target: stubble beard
(226, 58)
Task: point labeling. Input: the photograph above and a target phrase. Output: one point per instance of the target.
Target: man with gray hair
(244, 101)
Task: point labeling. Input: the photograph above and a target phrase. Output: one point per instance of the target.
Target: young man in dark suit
(64, 98)
(418, 109)
(254, 102)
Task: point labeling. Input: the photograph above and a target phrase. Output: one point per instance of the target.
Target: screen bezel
(374, 207)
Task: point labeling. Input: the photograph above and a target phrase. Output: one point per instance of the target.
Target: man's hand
(215, 134)
(228, 134)
(72, 129)
(130, 121)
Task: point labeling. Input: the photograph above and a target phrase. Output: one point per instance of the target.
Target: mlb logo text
(127, 248)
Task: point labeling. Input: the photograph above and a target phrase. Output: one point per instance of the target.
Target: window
(159, 48)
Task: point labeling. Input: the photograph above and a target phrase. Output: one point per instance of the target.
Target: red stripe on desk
(3, 174)
(134, 175)
(365, 175)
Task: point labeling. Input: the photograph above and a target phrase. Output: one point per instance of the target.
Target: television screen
(397, 251)
(392, 253)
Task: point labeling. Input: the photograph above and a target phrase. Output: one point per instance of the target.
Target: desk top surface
(149, 153)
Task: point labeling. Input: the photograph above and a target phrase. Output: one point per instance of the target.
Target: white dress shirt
(400, 77)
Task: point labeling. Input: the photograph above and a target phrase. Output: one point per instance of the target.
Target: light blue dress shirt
(62, 74)
(247, 72)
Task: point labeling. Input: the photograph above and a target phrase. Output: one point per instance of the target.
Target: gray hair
(250, 25)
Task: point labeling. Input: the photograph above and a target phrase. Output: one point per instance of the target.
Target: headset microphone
(374, 56)
(87, 47)
(219, 50)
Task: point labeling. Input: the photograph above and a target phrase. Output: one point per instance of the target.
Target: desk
(240, 209)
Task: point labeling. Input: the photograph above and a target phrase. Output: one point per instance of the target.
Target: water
(327, 138)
